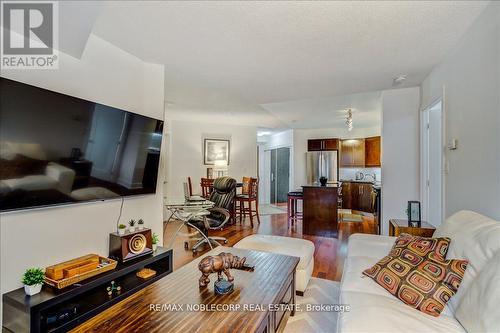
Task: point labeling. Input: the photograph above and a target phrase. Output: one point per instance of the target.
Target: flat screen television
(57, 149)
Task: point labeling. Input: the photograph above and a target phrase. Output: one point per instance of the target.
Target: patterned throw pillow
(417, 274)
(421, 246)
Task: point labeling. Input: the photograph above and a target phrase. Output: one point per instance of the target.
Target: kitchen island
(320, 210)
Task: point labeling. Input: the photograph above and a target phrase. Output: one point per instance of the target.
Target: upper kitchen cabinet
(352, 153)
(360, 152)
(330, 144)
(322, 144)
(372, 152)
(314, 145)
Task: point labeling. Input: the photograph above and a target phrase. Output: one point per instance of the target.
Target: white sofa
(301, 248)
(474, 308)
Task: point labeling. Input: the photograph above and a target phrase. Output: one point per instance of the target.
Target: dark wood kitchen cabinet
(360, 152)
(372, 152)
(322, 144)
(314, 145)
(347, 195)
(365, 202)
(357, 196)
(330, 144)
(352, 153)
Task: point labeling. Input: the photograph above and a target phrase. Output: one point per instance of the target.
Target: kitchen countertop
(356, 181)
(377, 183)
(335, 185)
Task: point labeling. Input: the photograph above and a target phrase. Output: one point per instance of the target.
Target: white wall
(187, 153)
(279, 140)
(400, 144)
(107, 75)
(470, 76)
(300, 137)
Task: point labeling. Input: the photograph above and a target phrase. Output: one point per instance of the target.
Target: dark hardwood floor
(328, 256)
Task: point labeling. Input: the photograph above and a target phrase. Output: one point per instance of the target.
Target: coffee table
(164, 305)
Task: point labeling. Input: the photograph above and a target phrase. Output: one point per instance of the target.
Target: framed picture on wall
(215, 150)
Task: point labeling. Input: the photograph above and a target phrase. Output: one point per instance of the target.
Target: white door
(264, 179)
(433, 163)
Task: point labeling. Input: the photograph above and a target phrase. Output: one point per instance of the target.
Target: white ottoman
(301, 248)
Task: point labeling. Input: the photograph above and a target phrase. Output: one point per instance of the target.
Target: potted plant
(156, 240)
(33, 280)
(140, 224)
(121, 229)
(131, 224)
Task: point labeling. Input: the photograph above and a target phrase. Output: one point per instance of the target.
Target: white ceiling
(224, 60)
(76, 20)
(330, 112)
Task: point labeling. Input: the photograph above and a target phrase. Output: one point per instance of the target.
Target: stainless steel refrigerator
(321, 164)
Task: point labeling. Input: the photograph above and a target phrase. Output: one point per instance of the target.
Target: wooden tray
(146, 273)
(60, 271)
(105, 264)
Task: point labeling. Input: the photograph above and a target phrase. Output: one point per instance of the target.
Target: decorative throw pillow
(421, 246)
(418, 275)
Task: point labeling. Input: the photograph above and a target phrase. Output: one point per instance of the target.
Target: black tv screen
(57, 149)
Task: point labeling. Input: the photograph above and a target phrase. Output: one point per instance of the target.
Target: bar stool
(291, 207)
(250, 194)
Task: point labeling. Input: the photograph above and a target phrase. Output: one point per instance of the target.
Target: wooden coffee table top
(181, 288)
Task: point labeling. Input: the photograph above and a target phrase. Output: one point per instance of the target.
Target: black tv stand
(54, 310)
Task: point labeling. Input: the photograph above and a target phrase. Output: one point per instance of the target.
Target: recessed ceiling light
(398, 80)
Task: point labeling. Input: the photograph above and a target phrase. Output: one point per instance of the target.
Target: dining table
(185, 211)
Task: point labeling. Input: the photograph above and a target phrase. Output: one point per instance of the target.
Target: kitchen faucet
(373, 175)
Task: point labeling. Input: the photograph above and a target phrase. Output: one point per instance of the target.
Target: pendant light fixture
(349, 120)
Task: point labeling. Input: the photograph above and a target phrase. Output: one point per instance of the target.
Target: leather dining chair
(224, 191)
